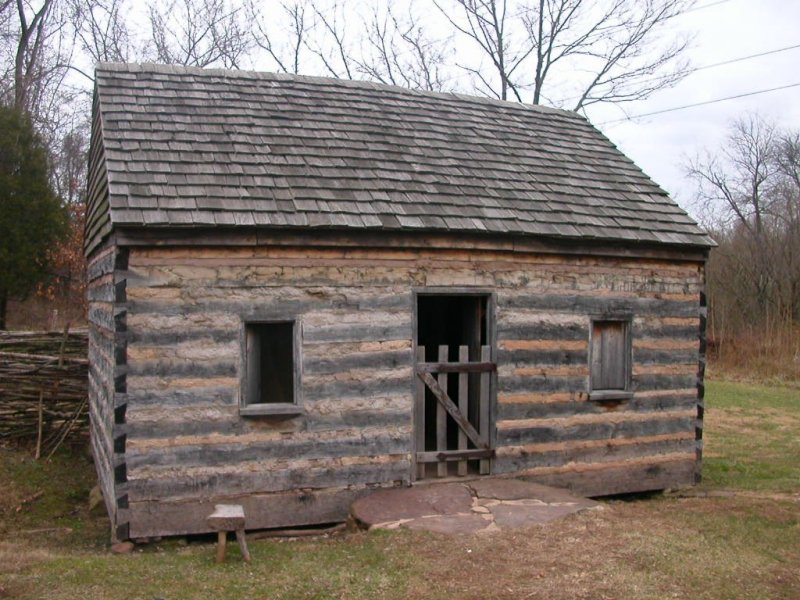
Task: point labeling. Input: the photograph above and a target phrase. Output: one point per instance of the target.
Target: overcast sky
(725, 30)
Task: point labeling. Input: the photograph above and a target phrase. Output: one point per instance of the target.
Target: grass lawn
(744, 545)
(752, 438)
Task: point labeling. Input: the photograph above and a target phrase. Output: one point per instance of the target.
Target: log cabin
(303, 289)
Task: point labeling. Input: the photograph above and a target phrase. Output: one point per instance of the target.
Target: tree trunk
(24, 65)
(3, 306)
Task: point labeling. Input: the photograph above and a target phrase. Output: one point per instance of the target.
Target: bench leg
(243, 545)
(222, 537)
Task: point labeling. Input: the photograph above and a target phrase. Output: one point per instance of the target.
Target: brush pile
(43, 386)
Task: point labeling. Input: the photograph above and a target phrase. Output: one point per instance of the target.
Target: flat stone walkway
(481, 505)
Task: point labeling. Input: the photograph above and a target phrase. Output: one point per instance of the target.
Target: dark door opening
(451, 321)
(452, 329)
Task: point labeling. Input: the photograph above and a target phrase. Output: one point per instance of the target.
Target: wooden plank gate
(473, 439)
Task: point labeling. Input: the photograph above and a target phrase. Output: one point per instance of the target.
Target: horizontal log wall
(103, 370)
(548, 428)
(187, 445)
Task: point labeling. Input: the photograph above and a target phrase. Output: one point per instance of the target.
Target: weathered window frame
(597, 392)
(249, 407)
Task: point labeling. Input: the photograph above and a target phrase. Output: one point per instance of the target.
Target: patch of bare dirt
(15, 558)
(10, 498)
(631, 550)
(11, 495)
(554, 560)
(775, 496)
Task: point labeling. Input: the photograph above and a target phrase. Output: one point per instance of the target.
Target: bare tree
(199, 33)
(102, 30)
(734, 180)
(311, 36)
(786, 211)
(488, 24)
(618, 44)
(284, 39)
(27, 63)
(734, 184)
(399, 51)
(37, 45)
(26, 34)
(329, 40)
(751, 185)
(70, 159)
(788, 165)
(602, 51)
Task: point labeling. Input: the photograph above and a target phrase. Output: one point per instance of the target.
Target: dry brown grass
(37, 313)
(15, 559)
(656, 548)
(766, 355)
(18, 556)
(11, 497)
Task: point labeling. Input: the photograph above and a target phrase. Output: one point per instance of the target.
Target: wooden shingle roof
(187, 147)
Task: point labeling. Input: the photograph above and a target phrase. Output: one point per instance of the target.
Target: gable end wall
(98, 218)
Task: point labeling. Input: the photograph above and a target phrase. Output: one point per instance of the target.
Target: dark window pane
(270, 363)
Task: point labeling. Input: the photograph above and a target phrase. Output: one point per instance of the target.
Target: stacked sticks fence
(43, 387)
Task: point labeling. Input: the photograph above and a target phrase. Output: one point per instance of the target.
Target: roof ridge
(332, 81)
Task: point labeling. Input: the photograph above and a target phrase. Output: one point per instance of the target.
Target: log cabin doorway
(454, 367)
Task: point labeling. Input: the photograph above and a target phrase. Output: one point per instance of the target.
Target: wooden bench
(225, 518)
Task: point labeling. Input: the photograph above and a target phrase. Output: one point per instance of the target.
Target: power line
(692, 70)
(741, 58)
(702, 6)
(684, 107)
(696, 8)
(730, 61)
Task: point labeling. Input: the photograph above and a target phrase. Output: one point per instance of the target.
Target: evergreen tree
(32, 217)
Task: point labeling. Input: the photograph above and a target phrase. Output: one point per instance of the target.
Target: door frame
(491, 341)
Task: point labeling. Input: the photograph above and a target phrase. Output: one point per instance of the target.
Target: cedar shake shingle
(189, 147)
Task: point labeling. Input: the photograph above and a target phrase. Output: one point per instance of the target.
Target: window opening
(610, 358)
(270, 350)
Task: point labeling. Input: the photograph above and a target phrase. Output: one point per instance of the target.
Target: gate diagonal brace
(452, 409)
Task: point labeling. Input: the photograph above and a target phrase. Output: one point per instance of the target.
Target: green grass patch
(752, 396)
(721, 548)
(752, 437)
(357, 565)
